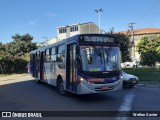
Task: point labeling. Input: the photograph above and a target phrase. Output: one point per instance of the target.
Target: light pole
(130, 25)
(46, 41)
(99, 19)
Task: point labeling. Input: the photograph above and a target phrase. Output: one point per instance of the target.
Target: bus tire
(61, 87)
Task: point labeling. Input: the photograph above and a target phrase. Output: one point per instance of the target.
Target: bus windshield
(100, 58)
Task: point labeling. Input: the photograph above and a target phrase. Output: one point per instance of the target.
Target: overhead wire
(149, 13)
(150, 9)
(152, 16)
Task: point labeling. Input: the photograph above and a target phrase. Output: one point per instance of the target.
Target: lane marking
(126, 104)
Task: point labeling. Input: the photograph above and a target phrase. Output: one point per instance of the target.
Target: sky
(40, 18)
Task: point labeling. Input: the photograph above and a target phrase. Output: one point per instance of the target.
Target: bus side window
(61, 53)
(53, 54)
(47, 55)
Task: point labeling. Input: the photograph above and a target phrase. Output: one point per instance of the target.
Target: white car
(129, 80)
(133, 64)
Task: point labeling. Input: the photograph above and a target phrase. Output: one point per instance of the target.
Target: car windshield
(98, 58)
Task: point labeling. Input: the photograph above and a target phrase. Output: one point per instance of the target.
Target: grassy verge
(7, 74)
(145, 74)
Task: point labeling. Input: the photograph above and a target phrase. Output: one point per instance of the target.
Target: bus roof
(76, 37)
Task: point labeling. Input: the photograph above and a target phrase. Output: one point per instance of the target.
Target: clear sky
(41, 17)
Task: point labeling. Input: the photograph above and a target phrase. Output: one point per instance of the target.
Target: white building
(138, 33)
(64, 32)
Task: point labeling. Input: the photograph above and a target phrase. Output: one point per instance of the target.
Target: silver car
(129, 80)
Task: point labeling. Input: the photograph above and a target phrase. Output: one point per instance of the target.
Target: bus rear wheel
(61, 87)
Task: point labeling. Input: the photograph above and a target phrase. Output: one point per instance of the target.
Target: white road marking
(126, 104)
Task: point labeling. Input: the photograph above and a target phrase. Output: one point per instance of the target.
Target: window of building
(74, 28)
(62, 30)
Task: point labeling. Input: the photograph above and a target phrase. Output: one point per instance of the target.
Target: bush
(12, 65)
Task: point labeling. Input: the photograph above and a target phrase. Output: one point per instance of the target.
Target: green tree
(1, 45)
(125, 46)
(21, 44)
(14, 56)
(149, 50)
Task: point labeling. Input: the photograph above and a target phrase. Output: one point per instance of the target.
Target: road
(22, 93)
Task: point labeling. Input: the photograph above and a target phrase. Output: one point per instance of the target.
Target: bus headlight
(81, 79)
(84, 81)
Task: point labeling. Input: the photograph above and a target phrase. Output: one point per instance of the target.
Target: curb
(146, 85)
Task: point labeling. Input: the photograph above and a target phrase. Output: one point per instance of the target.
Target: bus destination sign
(101, 39)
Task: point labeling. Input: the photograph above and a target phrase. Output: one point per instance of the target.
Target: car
(133, 64)
(129, 80)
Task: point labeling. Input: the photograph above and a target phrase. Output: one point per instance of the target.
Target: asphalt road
(22, 93)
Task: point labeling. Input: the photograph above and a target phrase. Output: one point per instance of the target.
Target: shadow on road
(28, 95)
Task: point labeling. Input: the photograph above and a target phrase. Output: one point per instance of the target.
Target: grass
(7, 74)
(145, 74)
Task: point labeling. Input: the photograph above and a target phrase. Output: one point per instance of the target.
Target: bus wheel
(61, 87)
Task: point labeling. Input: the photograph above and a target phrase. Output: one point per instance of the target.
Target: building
(138, 33)
(52, 40)
(64, 32)
(135, 36)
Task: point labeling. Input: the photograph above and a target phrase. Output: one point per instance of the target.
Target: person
(28, 68)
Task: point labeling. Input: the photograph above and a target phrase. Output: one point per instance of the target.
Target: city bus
(82, 64)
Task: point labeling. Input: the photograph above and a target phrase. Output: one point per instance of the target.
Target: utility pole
(46, 41)
(130, 25)
(99, 18)
(112, 30)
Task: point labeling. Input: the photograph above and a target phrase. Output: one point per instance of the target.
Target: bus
(82, 64)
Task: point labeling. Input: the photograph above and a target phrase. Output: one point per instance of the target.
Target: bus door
(71, 68)
(41, 66)
(33, 65)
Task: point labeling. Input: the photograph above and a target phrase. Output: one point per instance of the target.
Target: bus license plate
(105, 88)
(134, 81)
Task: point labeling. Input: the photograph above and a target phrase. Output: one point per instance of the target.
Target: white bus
(82, 64)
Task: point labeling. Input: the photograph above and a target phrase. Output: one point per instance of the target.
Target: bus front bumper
(90, 88)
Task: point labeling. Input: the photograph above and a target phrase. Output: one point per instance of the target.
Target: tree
(21, 44)
(0, 45)
(125, 46)
(149, 50)
(14, 56)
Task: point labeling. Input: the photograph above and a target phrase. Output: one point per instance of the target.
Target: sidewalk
(153, 84)
(14, 78)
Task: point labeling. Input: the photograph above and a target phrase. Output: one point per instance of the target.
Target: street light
(130, 25)
(99, 11)
(46, 41)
